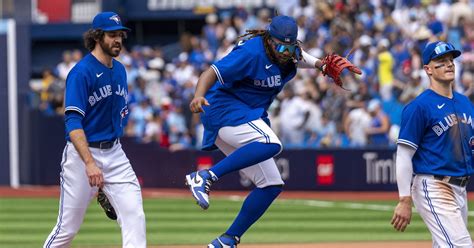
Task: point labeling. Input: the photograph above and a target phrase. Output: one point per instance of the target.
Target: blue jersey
(247, 82)
(99, 94)
(442, 132)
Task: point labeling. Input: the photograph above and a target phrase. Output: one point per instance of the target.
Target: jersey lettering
(269, 82)
(106, 91)
(121, 91)
(449, 121)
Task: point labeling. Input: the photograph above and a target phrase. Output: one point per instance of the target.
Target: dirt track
(53, 191)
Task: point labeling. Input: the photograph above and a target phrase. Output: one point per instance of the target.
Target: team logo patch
(115, 18)
(124, 112)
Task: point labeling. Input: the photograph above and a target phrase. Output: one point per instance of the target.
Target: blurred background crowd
(311, 112)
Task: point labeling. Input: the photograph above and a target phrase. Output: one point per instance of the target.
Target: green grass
(27, 222)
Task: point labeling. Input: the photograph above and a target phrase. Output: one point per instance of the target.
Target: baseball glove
(105, 204)
(333, 65)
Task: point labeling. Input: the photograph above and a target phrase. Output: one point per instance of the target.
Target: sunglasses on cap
(442, 48)
(281, 48)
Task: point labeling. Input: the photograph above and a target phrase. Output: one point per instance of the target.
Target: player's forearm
(206, 81)
(404, 169)
(309, 61)
(79, 140)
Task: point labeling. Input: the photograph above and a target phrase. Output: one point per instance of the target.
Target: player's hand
(402, 214)
(196, 104)
(95, 175)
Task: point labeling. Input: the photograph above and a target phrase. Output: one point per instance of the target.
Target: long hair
(91, 37)
(252, 33)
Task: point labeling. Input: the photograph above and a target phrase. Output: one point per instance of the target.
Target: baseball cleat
(224, 241)
(200, 183)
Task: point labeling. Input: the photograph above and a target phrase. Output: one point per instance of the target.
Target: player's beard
(112, 50)
(283, 59)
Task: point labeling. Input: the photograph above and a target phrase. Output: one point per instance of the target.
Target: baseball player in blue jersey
(436, 145)
(233, 97)
(95, 115)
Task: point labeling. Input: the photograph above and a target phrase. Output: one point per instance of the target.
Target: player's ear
(427, 69)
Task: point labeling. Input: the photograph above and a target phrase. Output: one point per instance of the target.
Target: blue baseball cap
(108, 21)
(283, 28)
(438, 48)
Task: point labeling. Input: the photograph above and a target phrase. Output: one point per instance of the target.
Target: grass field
(26, 222)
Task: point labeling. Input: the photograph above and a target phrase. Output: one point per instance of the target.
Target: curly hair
(252, 33)
(91, 37)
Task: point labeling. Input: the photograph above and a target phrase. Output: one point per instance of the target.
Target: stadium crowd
(311, 112)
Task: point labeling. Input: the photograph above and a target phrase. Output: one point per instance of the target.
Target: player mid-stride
(233, 96)
(436, 145)
(95, 115)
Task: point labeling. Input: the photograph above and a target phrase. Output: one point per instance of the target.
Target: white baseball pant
(443, 207)
(229, 139)
(120, 185)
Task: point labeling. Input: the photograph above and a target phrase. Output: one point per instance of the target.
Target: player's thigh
(436, 203)
(76, 191)
(116, 167)
(254, 131)
(126, 198)
(263, 174)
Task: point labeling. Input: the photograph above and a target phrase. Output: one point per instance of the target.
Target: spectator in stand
(76, 55)
(325, 27)
(177, 124)
(294, 115)
(47, 79)
(209, 32)
(467, 81)
(140, 115)
(323, 135)
(153, 129)
(377, 132)
(412, 88)
(224, 49)
(46, 99)
(360, 97)
(355, 125)
(65, 65)
(385, 69)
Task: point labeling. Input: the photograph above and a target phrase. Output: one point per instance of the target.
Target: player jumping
(233, 112)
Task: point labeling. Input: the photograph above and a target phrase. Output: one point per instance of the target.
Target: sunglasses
(281, 48)
(444, 47)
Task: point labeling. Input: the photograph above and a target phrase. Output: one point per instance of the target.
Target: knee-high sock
(256, 203)
(245, 156)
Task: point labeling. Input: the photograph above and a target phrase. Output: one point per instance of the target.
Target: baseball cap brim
(115, 28)
(456, 53)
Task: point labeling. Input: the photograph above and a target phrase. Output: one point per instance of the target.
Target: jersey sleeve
(236, 66)
(76, 94)
(412, 126)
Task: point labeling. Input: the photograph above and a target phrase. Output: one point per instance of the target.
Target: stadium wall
(305, 169)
